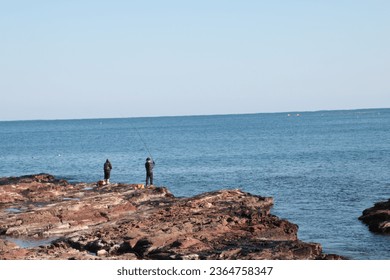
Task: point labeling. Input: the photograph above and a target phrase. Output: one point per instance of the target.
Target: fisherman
(107, 171)
(149, 164)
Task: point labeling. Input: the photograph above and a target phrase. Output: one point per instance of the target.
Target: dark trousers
(149, 175)
(106, 174)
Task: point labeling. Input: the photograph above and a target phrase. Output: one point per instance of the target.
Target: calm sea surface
(322, 168)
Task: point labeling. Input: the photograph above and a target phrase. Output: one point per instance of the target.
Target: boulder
(377, 217)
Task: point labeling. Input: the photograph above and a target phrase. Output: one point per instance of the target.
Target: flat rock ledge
(42, 217)
(377, 217)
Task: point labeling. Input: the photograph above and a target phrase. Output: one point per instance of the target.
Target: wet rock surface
(42, 217)
(378, 217)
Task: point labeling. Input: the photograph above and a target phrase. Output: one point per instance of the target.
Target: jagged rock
(124, 221)
(378, 217)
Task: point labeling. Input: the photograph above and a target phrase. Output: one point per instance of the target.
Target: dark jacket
(107, 166)
(149, 164)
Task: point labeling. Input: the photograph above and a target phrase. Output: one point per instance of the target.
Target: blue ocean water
(322, 168)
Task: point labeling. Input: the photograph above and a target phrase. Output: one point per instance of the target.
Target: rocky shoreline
(42, 217)
(377, 218)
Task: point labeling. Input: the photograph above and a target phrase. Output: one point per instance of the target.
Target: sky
(101, 59)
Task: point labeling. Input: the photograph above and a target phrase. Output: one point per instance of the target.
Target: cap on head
(148, 158)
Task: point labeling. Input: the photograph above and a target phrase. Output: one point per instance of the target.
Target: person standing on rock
(149, 164)
(107, 171)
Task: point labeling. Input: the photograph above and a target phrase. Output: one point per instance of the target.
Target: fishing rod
(143, 142)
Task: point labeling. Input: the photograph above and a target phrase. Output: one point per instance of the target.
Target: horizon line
(193, 115)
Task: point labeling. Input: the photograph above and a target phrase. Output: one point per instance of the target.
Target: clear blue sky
(96, 59)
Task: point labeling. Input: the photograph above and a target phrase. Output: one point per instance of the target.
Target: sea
(322, 168)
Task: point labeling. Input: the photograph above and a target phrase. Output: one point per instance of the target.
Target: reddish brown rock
(378, 217)
(45, 218)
